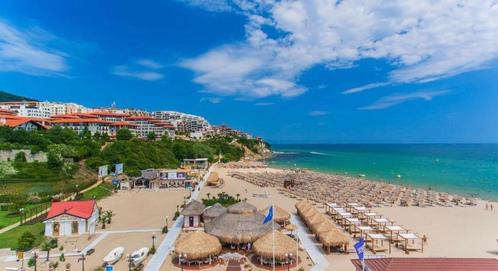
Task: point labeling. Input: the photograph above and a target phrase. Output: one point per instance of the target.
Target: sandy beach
(468, 231)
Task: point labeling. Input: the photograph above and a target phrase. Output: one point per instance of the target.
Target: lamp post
(153, 240)
(180, 257)
(82, 260)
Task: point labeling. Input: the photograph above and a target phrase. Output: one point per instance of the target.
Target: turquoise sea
(466, 169)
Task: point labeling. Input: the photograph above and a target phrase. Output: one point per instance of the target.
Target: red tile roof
(77, 120)
(429, 264)
(6, 112)
(123, 123)
(140, 118)
(82, 209)
(109, 114)
(14, 121)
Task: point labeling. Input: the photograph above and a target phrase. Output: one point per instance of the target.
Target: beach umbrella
(279, 215)
(198, 245)
(282, 244)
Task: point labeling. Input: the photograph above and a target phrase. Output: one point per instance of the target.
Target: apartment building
(147, 124)
(183, 123)
(35, 109)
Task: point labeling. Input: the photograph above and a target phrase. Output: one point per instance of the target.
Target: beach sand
(468, 231)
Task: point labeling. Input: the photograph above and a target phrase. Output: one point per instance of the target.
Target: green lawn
(9, 239)
(6, 219)
(101, 191)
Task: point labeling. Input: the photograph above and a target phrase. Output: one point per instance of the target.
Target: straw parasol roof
(314, 219)
(333, 238)
(213, 179)
(214, 211)
(198, 245)
(238, 228)
(283, 245)
(242, 208)
(279, 215)
(290, 227)
(324, 226)
(193, 208)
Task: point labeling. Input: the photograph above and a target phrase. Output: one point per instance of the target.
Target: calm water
(458, 168)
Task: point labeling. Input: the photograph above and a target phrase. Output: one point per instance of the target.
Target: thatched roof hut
(279, 215)
(214, 211)
(283, 245)
(324, 226)
(334, 238)
(193, 208)
(242, 208)
(238, 228)
(198, 245)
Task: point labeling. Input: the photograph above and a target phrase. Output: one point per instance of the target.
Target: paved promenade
(167, 244)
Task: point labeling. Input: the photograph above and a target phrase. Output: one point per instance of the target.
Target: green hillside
(8, 97)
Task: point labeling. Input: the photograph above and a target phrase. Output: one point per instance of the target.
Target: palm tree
(48, 245)
(238, 196)
(208, 195)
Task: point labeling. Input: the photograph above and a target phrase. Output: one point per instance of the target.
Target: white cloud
(143, 69)
(317, 113)
(26, 52)
(148, 63)
(396, 99)
(213, 100)
(263, 104)
(422, 40)
(210, 5)
(363, 88)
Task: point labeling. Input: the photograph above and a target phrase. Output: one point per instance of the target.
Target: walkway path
(166, 245)
(314, 252)
(10, 227)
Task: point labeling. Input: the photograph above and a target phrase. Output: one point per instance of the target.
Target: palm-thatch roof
(279, 215)
(238, 228)
(197, 245)
(314, 219)
(283, 245)
(213, 179)
(214, 211)
(324, 226)
(193, 208)
(333, 238)
(242, 208)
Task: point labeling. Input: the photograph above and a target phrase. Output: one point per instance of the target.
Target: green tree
(20, 157)
(26, 241)
(48, 245)
(124, 134)
(151, 136)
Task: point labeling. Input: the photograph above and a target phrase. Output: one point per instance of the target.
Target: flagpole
(273, 234)
(297, 252)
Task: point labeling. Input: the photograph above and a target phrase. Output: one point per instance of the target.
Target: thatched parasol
(333, 238)
(301, 204)
(238, 228)
(307, 212)
(214, 211)
(290, 227)
(198, 245)
(242, 208)
(314, 219)
(324, 226)
(283, 245)
(279, 215)
(193, 208)
(213, 179)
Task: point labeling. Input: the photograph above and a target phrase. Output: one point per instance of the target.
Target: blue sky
(314, 71)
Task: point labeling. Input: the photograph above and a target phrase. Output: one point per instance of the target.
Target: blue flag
(359, 248)
(269, 215)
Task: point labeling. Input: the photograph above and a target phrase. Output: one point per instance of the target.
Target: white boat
(362, 175)
(137, 257)
(398, 176)
(114, 255)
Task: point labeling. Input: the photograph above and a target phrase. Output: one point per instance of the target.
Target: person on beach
(491, 206)
(487, 207)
